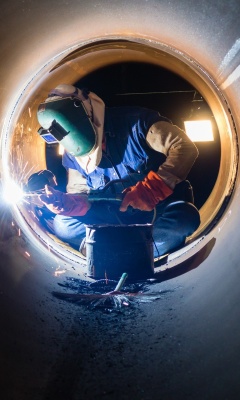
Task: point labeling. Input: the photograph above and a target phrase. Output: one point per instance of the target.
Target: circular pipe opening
(26, 152)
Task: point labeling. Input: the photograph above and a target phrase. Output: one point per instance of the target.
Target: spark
(26, 201)
(27, 254)
(106, 277)
(59, 272)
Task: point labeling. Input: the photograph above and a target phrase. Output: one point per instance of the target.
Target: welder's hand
(38, 180)
(64, 203)
(146, 194)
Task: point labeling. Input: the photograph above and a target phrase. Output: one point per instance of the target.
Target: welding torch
(110, 192)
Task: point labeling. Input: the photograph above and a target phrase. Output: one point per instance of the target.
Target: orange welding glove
(65, 203)
(146, 194)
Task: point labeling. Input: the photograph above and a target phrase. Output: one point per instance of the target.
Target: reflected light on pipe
(12, 193)
(199, 130)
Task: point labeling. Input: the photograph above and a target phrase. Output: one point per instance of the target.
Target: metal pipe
(53, 349)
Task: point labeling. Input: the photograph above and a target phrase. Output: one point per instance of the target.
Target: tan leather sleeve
(180, 151)
(76, 182)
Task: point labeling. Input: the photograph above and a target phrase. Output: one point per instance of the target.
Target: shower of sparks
(13, 194)
(13, 178)
(16, 176)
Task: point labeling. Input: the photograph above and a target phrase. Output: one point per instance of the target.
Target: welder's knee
(185, 213)
(68, 228)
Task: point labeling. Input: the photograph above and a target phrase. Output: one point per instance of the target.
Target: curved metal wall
(185, 345)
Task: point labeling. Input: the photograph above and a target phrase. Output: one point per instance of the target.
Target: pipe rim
(164, 56)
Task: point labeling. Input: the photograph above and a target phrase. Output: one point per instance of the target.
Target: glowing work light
(198, 125)
(199, 130)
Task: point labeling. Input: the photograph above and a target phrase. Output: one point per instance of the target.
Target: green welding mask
(66, 121)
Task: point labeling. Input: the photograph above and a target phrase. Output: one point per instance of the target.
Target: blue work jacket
(127, 155)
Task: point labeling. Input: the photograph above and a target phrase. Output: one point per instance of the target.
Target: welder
(147, 156)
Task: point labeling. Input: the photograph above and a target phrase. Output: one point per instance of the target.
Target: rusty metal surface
(185, 345)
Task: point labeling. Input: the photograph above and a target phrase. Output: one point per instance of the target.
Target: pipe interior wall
(186, 344)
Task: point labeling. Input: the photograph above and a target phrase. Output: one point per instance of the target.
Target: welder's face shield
(66, 121)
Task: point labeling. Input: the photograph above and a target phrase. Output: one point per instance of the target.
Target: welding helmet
(76, 123)
(66, 121)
